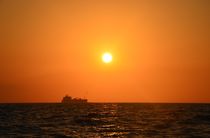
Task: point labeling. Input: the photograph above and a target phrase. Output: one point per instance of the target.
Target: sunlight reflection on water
(105, 120)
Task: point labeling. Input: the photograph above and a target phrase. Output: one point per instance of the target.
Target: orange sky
(160, 48)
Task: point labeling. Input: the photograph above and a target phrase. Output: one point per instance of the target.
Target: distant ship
(69, 99)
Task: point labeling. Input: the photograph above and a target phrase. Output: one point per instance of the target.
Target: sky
(160, 49)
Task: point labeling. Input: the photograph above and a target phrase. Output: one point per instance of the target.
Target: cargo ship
(69, 99)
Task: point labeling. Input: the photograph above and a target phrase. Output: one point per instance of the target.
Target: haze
(160, 49)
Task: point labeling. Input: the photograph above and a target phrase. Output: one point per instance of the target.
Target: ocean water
(105, 120)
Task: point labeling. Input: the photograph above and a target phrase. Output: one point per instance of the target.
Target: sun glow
(107, 57)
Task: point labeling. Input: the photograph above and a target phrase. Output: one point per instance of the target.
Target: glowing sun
(107, 57)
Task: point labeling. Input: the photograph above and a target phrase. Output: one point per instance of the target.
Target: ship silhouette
(69, 99)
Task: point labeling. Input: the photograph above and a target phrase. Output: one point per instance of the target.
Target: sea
(96, 120)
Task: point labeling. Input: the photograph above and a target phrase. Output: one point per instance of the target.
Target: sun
(107, 57)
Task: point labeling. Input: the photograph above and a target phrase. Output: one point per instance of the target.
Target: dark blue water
(105, 120)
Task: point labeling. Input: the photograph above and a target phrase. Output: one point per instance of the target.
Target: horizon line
(108, 103)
